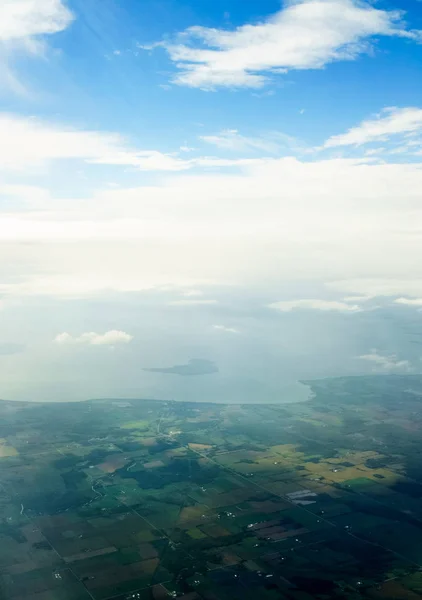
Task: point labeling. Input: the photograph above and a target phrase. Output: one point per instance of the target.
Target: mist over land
(237, 349)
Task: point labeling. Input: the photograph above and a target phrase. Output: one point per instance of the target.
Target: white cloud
(109, 338)
(231, 139)
(343, 221)
(23, 27)
(304, 34)
(24, 19)
(313, 304)
(192, 293)
(144, 160)
(226, 162)
(386, 363)
(391, 122)
(374, 151)
(18, 196)
(26, 143)
(84, 274)
(225, 329)
(409, 301)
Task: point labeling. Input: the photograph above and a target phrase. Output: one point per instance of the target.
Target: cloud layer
(277, 219)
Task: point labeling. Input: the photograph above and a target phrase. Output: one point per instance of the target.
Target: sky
(208, 200)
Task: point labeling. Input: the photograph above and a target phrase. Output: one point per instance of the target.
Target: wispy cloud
(409, 301)
(225, 329)
(187, 302)
(231, 139)
(24, 20)
(314, 304)
(390, 122)
(379, 286)
(305, 34)
(109, 338)
(386, 363)
(24, 24)
(358, 299)
(27, 143)
(192, 293)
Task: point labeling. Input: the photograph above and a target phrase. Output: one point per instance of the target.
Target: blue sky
(82, 82)
(231, 161)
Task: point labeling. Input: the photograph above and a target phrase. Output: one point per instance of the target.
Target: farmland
(110, 499)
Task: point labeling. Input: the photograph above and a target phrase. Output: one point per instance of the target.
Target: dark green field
(142, 499)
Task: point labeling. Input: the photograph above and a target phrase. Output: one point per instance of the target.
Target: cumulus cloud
(109, 338)
(314, 304)
(24, 24)
(225, 329)
(391, 122)
(386, 363)
(304, 34)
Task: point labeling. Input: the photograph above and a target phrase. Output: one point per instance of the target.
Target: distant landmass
(196, 366)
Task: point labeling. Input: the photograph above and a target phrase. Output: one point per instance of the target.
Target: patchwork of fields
(111, 499)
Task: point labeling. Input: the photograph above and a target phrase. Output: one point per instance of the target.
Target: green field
(115, 500)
